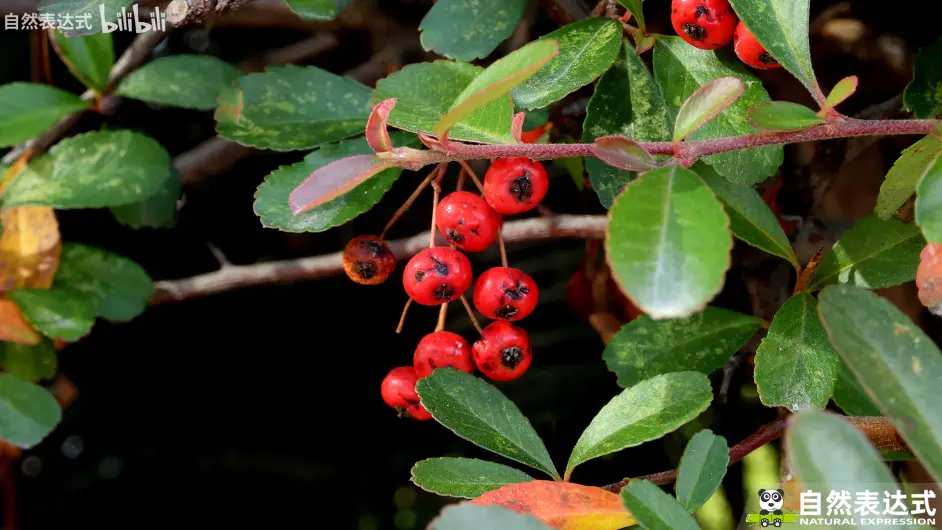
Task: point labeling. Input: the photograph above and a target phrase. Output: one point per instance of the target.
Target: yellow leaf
(29, 247)
(562, 505)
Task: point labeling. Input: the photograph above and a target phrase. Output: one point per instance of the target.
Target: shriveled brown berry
(367, 260)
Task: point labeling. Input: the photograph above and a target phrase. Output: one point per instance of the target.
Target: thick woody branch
(312, 268)
(181, 12)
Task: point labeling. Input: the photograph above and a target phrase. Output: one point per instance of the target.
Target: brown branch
(312, 268)
(180, 12)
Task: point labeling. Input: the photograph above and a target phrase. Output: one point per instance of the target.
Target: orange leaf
(29, 247)
(13, 327)
(562, 505)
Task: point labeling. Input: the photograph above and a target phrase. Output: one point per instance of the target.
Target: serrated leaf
(481, 414)
(425, 92)
(701, 469)
(750, 218)
(904, 176)
(292, 107)
(31, 363)
(896, 363)
(646, 411)
(680, 69)
(795, 364)
(27, 412)
(587, 49)
(654, 508)
(781, 27)
(89, 58)
(316, 9)
(626, 102)
(85, 17)
(92, 170)
(923, 95)
(464, 477)
(872, 253)
(705, 103)
(188, 81)
(466, 31)
(929, 203)
(844, 89)
(472, 517)
(644, 348)
(157, 211)
(562, 505)
(496, 81)
(635, 8)
(850, 396)
(57, 313)
(117, 287)
(783, 116)
(27, 109)
(271, 199)
(668, 243)
(623, 153)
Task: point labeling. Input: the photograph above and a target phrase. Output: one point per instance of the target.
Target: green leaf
(897, 364)
(923, 95)
(850, 396)
(56, 313)
(157, 211)
(466, 31)
(705, 103)
(587, 49)
(783, 116)
(426, 91)
(271, 199)
(668, 242)
(929, 203)
(781, 27)
(292, 107)
(27, 109)
(481, 414)
(117, 287)
(638, 112)
(88, 58)
(189, 81)
(680, 69)
(634, 7)
(844, 89)
(827, 453)
(701, 469)
(496, 81)
(873, 253)
(27, 412)
(901, 181)
(464, 477)
(646, 411)
(623, 153)
(750, 218)
(84, 16)
(795, 364)
(31, 363)
(644, 348)
(654, 509)
(316, 9)
(473, 517)
(92, 170)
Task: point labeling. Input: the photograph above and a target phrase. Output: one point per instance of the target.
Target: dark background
(261, 408)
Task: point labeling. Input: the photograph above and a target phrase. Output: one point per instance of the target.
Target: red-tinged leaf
(431, 142)
(644, 43)
(376, 134)
(623, 153)
(841, 91)
(562, 505)
(13, 327)
(705, 104)
(516, 126)
(333, 180)
(936, 131)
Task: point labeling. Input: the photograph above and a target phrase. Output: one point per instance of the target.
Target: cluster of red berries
(439, 275)
(711, 24)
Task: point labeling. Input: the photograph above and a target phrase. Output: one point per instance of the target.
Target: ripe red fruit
(368, 260)
(929, 278)
(749, 50)
(515, 185)
(442, 349)
(505, 293)
(467, 221)
(704, 24)
(398, 390)
(503, 352)
(437, 275)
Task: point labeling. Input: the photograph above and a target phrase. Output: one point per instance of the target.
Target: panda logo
(771, 501)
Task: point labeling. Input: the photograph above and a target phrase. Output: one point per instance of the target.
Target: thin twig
(405, 206)
(474, 176)
(442, 315)
(474, 319)
(503, 249)
(402, 318)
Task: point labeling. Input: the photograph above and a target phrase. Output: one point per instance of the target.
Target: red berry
(704, 24)
(505, 293)
(467, 221)
(503, 352)
(442, 349)
(514, 185)
(749, 50)
(437, 275)
(368, 260)
(528, 137)
(398, 390)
